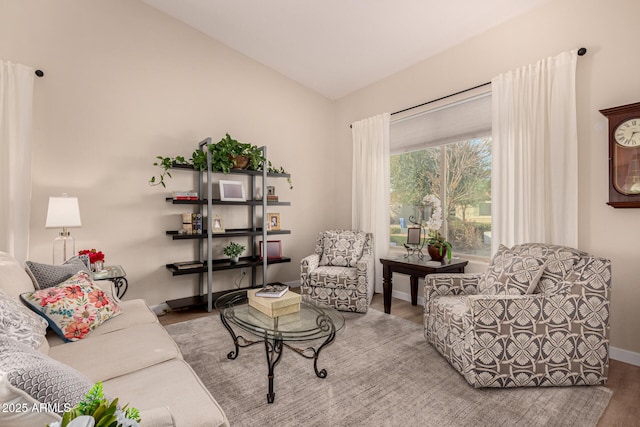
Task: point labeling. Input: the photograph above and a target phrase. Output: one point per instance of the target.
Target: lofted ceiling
(336, 47)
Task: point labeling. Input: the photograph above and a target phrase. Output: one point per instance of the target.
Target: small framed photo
(217, 226)
(273, 221)
(274, 249)
(232, 191)
(271, 190)
(413, 235)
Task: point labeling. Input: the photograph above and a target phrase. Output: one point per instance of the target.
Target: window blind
(442, 124)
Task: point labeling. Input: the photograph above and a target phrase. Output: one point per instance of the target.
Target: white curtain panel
(16, 101)
(535, 154)
(370, 184)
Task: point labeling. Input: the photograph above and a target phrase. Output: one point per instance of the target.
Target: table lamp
(63, 212)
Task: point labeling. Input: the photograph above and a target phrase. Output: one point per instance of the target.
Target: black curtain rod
(39, 73)
(581, 52)
(441, 98)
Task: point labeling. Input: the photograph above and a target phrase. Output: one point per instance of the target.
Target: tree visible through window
(460, 175)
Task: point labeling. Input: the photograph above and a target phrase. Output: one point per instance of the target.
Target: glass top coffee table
(312, 322)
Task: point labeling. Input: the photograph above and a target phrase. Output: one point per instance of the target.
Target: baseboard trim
(160, 309)
(407, 297)
(615, 353)
(625, 356)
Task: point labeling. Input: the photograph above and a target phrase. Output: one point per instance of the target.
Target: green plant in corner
(233, 250)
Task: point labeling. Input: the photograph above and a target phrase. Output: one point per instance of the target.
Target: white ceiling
(338, 46)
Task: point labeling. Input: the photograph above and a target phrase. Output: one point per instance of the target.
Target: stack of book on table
(277, 302)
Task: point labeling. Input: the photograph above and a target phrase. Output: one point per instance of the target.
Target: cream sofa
(132, 354)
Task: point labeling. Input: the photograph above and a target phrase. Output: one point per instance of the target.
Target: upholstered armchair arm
(307, 265)
(520, 332)
(365, 265)
(365, 272)
(451, 284)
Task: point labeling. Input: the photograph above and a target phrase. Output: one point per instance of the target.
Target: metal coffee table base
(273, 347)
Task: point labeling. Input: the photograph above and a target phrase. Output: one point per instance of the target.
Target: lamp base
(64, 247)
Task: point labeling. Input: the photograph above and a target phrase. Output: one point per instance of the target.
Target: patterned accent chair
(340, 271)
(538, 317)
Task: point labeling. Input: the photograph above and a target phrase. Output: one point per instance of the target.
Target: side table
(117, 275)
(416, 268)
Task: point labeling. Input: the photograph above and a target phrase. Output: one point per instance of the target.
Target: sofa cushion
(102, 357)
(512, 274)
(73, 308)
(13, 280)
(48, 275)
(40, 376)
(187, 398)
(134, 312)
(342, 248)
(18, 322)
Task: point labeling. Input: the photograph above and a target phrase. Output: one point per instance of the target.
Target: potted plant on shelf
(226, 154)
(233, 250)
(437, 245)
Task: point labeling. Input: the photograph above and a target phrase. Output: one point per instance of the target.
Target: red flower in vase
(94, 255)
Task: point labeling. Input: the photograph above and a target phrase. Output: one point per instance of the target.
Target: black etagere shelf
(227, 203)
(225, 264)
(255, 230)
(234, 232)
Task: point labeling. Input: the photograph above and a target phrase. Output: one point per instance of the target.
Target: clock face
(627, 134)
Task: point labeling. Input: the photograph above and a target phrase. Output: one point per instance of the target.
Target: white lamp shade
(63, 212)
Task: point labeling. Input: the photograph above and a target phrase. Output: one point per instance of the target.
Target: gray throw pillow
(46, 380)
(512, 274)
(47, 275)
(20, 323)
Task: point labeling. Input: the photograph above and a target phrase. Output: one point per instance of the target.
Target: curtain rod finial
(582, 51)
(39, 73)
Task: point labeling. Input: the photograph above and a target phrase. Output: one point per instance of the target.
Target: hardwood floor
(624, 379)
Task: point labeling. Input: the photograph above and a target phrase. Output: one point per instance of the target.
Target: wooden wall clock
(624, 155)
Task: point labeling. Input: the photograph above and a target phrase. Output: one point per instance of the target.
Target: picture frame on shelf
(232, 191)
(273, 221)
(274, 249)
(217, 224)
(414, 235)
(271, 190)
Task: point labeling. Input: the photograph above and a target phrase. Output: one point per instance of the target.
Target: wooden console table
(416, 268)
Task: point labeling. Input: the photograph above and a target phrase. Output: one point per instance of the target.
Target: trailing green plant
(104, 413)
(224, 154)
(233, 249)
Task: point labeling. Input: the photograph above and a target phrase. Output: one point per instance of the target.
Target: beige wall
(607, 77)
(125, 83)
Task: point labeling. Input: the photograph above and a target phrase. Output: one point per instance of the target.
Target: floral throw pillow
(73, 308)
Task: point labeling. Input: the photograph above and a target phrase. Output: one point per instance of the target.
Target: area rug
(381, 372)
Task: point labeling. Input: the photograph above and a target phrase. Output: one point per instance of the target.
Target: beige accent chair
(538, 317)
(340, 271)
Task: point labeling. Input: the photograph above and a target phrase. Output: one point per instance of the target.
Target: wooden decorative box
(274, 307)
